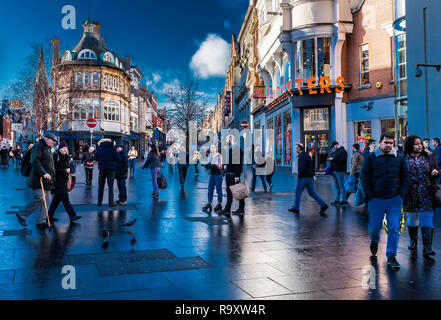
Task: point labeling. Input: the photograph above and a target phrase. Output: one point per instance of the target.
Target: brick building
(368, 64)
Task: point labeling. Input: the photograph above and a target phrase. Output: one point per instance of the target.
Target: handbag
(240, 191)
(328, 171)
(71, 180)
(162, 181)
(350, 184)
(359, 195)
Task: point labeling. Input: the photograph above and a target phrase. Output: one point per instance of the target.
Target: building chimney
(56, 51)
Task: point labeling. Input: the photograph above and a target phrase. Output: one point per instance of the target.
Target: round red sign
(244, 124)
(91, 123)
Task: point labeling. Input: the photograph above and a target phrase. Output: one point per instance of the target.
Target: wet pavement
(183, 253)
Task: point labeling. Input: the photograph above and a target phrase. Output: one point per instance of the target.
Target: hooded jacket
(106, 155)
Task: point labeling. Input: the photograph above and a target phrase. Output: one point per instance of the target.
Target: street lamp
(419, 72)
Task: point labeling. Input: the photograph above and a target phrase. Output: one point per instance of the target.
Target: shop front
(370, 118)
(280, 121)
(316, 134)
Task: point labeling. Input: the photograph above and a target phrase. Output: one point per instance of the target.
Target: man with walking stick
(41, 180)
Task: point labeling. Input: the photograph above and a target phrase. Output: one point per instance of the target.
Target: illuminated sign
(16, 104)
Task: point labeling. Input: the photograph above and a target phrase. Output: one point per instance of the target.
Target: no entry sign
(244, 124)
(91, 123)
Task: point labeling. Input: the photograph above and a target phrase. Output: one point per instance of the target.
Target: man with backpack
(121, 174)
(41, 164)
(106, 156)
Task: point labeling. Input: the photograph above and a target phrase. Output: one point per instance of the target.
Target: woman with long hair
(419, 202)
(153, 162)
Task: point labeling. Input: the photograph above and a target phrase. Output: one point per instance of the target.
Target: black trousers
(229, 179)
(104, 175)
(89, 174)
(182, 173)
(64, 198)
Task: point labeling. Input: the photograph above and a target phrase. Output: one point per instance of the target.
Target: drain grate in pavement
(12, 212)
(21, 232)
(211, 221)
(21, 189)
(136, 262)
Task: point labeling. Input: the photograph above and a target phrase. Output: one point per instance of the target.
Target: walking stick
(45, 204)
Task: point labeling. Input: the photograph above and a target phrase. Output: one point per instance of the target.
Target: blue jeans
(215, 181)
(155, 172)
(307, 183)
(122, 189)
(339, 182)
(132, 163)
(253, 181)
(422, 219)
(392, 209)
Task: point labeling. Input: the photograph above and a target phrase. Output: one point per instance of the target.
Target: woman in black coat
(4, 156)
(419, 201)
(62, 170)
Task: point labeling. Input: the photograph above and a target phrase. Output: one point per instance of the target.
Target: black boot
(427, 234)
(413, 234)
(207, 207)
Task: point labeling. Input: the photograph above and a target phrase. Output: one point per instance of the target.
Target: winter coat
(61, 163)
(42, 162)
(214, 161)
(232, 167)
(306, 165)
(420, 193)
(122, 166)
(153, 161)
(356, 162)
(438, 156)
(384, 176)
(340, 159)
(4, 154)
(88, 159)
(106, 155)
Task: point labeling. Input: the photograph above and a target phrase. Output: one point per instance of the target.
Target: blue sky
(167, 39)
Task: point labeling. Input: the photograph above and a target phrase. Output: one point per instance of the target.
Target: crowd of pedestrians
(395, 182)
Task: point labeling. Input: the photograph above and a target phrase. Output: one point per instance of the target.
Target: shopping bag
(328, 171)
(350, 184)
(240, 191)
(359, 195)
(162, 181)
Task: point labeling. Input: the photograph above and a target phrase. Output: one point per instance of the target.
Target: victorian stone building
(92, 81)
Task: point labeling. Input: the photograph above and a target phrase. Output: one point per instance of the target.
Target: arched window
(115, 82)
(87, 78)
(105, 79)
(95, 78)
(86, 54)
(108, 57)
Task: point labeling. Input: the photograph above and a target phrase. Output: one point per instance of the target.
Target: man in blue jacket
(305, 179)
(106, 156)
(384, 177)
(339, 160)
(437, 145)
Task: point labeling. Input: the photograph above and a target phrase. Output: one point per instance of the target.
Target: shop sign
(259, 92)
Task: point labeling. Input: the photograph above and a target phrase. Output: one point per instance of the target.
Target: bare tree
(187, 104)
(22, 87)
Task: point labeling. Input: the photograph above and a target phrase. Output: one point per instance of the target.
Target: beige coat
(356, 163)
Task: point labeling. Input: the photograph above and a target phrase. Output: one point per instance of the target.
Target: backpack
(26, 164)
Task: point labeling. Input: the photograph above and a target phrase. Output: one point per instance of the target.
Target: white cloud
(212, 58)
(156, 77)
